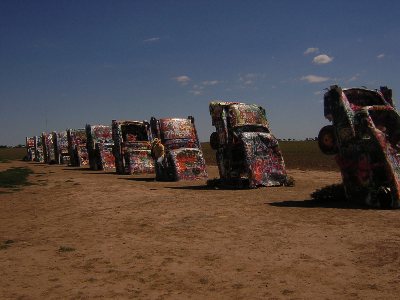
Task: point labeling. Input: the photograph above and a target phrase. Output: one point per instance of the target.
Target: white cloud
(183, 79)
(152, 40)
(354, 78)
(210, 82)
(317, 93)
(249, 78)
(314, 78)
(322, 59)
(195, 92)
(311, 50)
(380, 56)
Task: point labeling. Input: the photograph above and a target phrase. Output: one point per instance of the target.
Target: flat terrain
(75, 233)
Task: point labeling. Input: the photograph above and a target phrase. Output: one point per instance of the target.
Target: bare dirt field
(76, 233)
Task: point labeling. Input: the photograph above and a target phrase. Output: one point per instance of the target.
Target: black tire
(214, 141)
(327, 141)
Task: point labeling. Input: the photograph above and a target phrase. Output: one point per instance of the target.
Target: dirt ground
(78, 234)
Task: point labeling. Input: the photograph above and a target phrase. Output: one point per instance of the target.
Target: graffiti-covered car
(100, 147)
(132, 147)
(183, 158)
(364, 137)
(247, 153)
(48, 148)
(77, 147)
(30, 148)
(39, 157)
(61, 147)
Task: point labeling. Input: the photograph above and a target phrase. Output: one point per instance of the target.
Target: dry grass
(303, 155)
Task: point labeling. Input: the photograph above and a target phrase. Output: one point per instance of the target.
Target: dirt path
(82, 234)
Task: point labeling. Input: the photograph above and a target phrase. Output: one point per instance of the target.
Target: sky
(64, 64)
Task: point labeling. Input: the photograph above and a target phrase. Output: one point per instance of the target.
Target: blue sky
(67, 63)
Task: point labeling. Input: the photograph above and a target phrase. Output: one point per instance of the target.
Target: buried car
(77, 147)
(132, 147)
(248, 155)
(183, 159)
(364, 136)
(48, 147)
(100, 147)
(61, 147)
(30, 148)
(38, 149)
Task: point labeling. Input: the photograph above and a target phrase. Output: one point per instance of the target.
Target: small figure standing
(158, 152)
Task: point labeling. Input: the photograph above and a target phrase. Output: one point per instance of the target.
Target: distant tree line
(18, 146)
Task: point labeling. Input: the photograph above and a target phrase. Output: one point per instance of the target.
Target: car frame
(247, 153)
(100, 145)
(78, 153)
(61, 147)
(30, 148)
(48, 147)
(132, 147)
(364, 137)
(183, 159)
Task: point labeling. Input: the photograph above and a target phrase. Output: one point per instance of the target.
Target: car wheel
(214, 141)
(327, 140)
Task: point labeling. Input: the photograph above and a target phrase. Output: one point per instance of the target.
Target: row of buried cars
(247, 153)
(364, 137)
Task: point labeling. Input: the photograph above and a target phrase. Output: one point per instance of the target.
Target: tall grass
(7, 154)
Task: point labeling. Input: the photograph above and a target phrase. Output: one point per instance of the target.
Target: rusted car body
(30, 148)
(364, 137)
(248, 155)
(48, 148)
(61, 147)
(77, 147)
(100, 147)
(132, 147)
(183, 159)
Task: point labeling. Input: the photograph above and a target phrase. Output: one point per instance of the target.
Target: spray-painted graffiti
(30, 148)
(263, 159)
(177, 129)
(132, 148)
(48, 148)
(247, 153)
(39, 157)
(61, 147)
(99, 144)
(183, 159)
(77, 147)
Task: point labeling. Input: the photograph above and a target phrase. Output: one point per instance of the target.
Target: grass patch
(7, 154)
(304, 155)
(6, 244)
(14, 177)
(66, 249)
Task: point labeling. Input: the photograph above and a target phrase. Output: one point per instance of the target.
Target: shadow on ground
(143, 179)
(311, 203)
(331, 196)
(191, 187)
